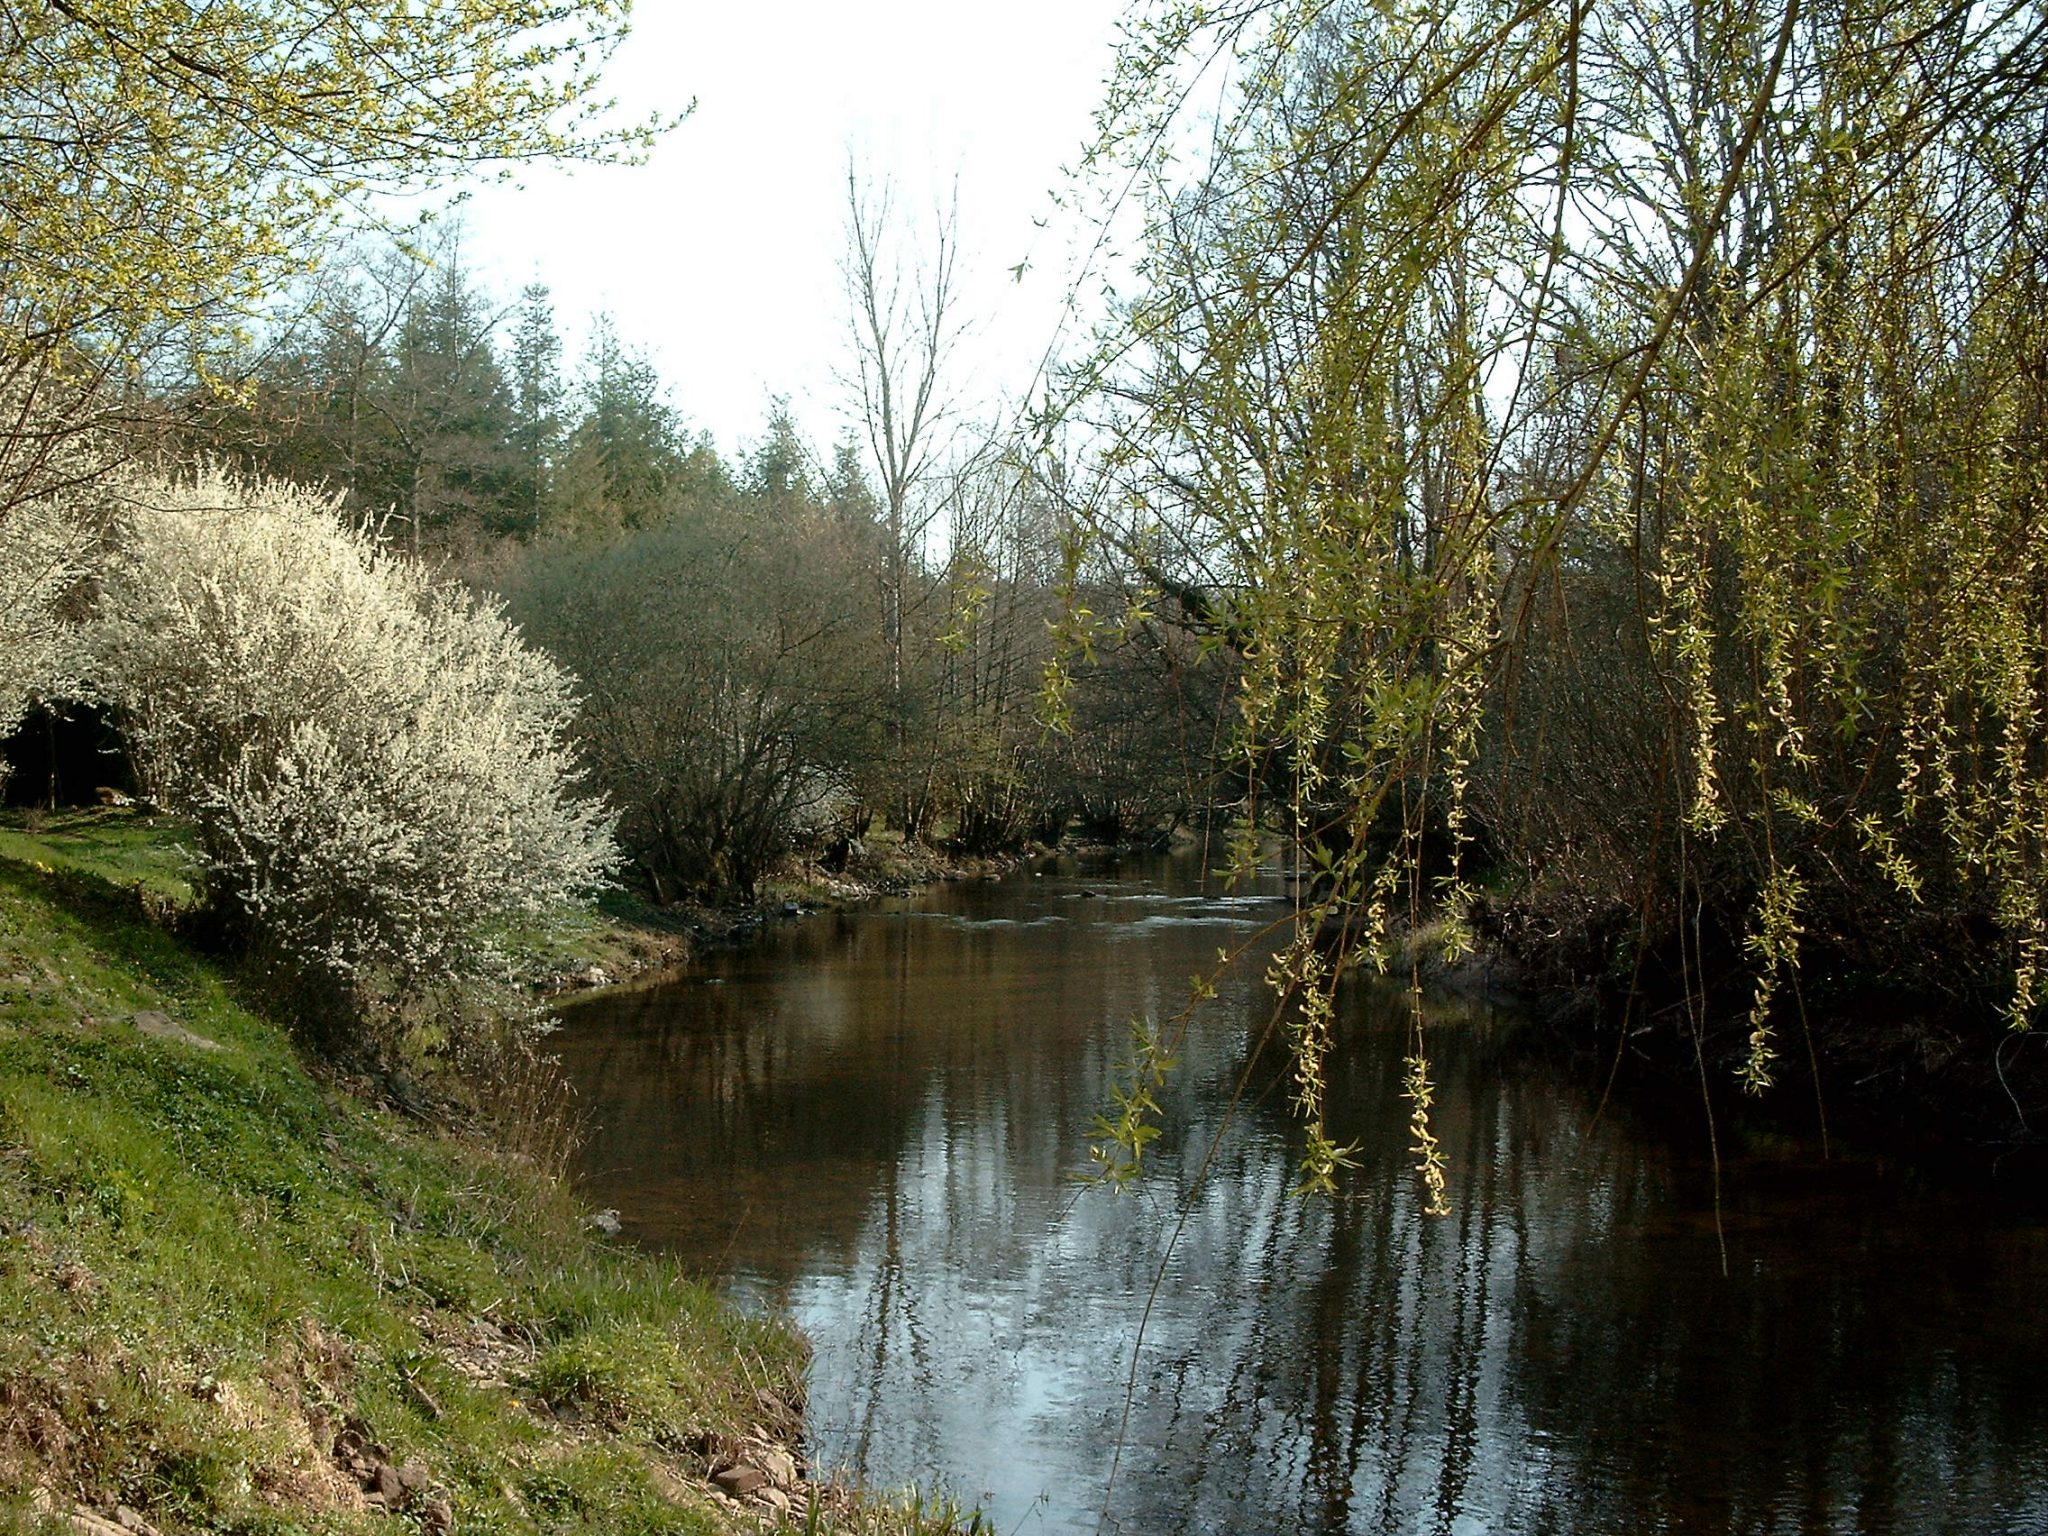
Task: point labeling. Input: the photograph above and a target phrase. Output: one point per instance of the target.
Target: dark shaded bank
(1906, 1065)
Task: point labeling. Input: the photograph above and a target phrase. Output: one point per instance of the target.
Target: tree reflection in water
(874, 1120)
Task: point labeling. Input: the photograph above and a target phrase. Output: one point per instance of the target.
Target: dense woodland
(769, 661)
(1612, 439)
(1576, 478)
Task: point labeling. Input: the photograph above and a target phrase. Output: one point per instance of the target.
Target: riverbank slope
(239, 1293)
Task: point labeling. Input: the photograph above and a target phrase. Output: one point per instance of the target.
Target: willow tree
(163, 165)
(1722, 327)
(158, 156)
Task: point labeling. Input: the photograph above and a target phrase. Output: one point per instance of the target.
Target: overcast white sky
(720, 256)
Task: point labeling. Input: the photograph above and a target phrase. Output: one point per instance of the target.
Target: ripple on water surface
(875, 1120)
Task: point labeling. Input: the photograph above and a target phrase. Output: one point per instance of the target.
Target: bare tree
(903, 326)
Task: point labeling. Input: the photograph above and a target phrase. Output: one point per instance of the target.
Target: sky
(720, 255)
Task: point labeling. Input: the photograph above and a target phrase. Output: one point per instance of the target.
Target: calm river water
(874, 1121)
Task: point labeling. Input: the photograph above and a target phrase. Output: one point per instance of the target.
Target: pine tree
(536, 382)
(778, 473)
(452, 408)
(626, 450)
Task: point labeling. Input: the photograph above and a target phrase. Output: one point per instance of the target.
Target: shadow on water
(874, 1120)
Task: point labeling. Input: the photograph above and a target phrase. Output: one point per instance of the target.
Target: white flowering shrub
(44, 558)
(51, 521)
(374, 761)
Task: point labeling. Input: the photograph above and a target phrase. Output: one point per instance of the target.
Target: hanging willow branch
(1594, 430)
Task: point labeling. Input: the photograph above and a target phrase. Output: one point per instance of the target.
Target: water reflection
(874, 1119)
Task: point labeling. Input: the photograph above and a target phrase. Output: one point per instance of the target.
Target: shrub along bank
(238, 1295)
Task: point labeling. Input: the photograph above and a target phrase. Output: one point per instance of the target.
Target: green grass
(217, 1266)
(619, 936)
(123, 848)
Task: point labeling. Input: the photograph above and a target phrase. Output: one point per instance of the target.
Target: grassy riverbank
(237, 1294)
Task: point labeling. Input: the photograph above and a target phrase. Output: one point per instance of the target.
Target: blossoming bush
(51, 521)
(373, 760)
(43, 560)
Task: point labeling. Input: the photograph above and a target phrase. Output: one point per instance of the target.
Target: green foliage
(450, 411)
(626, 449)
(387, 378)
(731, 687)
(184, 157)
(533, 365)
(1611, 439)
(1120, 1155)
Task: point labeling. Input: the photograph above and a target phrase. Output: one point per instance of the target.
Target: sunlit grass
(217, 1266)
(122, 846)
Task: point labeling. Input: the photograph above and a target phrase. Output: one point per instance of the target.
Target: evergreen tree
(349, 371)
(848, 493)
(320, 408)
(778, 472)
(627, 448)
(452, 407)
(165, 168)
(536, 382)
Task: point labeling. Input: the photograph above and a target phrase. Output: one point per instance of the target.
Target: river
(875, 1120)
